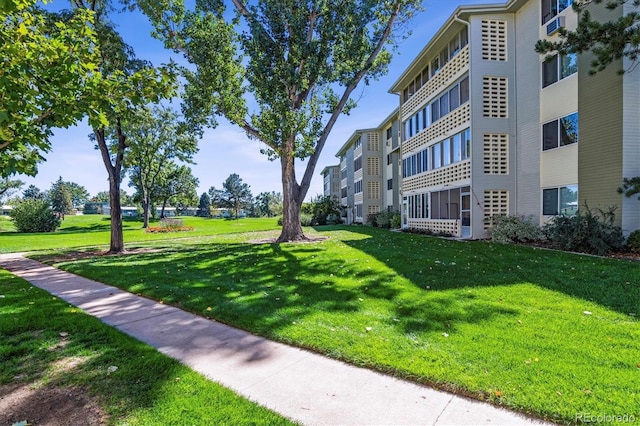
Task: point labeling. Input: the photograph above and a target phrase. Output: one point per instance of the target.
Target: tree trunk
(164, 205)
(117, 238)
(291, 228)
(145, 211)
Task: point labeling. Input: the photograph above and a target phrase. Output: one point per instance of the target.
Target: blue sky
(225, 149)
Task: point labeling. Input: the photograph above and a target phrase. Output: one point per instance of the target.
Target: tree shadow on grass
(268, 287)
(440, 264)
(56, 347)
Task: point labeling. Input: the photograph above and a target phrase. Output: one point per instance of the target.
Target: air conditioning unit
(555, 25)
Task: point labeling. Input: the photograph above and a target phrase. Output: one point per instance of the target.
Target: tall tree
(178, 187)
(44, 73)
(60, 198)
(204, 206)
(607, 41)
(101, 197)
(124, 84)
(79, 194)
(269, 203)
(32, 193)
(235, 194)
(286, 77)
(155, 139)
(8, 187)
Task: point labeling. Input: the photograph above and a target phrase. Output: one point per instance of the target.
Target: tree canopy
(235, 194)
(607, 41)
(282, 70)
(155, 139)
(47, 69)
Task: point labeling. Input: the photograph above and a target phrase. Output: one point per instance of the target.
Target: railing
(446, 226)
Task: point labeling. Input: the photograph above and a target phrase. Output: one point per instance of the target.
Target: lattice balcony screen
(494, 40)
(496, 154)
(373, 190)
(496, 202)
(494, 93)
(373, 142)
(444, 78)
(453, 173)
(373, 166)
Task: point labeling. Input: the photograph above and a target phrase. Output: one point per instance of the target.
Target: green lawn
(94, 230)
(543, 332)
(46, 342)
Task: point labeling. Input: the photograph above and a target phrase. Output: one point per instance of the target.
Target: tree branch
(313, 159)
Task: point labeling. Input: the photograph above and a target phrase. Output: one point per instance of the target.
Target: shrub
(386, 219)
(396, 220)
(34, 215)
(585, 232)
(305, 220)
(171, 223)
(321, 208)
(514, 229)
(633, 241)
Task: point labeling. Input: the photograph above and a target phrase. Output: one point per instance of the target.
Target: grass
(543, 332)
(94, 230)
(147, 388)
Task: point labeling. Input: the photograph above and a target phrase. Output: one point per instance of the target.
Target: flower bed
(161, 229)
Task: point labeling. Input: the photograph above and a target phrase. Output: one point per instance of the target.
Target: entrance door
(465, 212)
(405, 213)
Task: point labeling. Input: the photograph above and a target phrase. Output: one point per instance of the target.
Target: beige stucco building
(486, 126)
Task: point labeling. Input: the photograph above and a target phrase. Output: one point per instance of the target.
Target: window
(444, 105)
(358, 210)
(418, 206)
(343, 192)
(437, 155)
(435, 66)
(435, 111)
(357, 187)
(389, 132)
(343, 174)
(464, 90)
(560, 132)
(389, 184)
(551, 8)
(560, 201)
(388, 159)
(357, 164)
(558, 67)
(454, 47)
(454, 97)
(447, 151)
(358, 143)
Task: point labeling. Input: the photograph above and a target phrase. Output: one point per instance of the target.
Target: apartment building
(389, 131)
(331, 181)
(490, 127)
(361, 176)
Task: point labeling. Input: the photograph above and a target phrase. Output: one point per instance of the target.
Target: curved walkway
(298, 384)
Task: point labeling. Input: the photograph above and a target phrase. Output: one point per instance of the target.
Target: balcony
(452, 69)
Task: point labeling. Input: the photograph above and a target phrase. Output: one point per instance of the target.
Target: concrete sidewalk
(298, 384)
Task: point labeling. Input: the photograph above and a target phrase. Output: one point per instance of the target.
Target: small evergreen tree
(60, 198)
(32, 193)
(204, 207)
